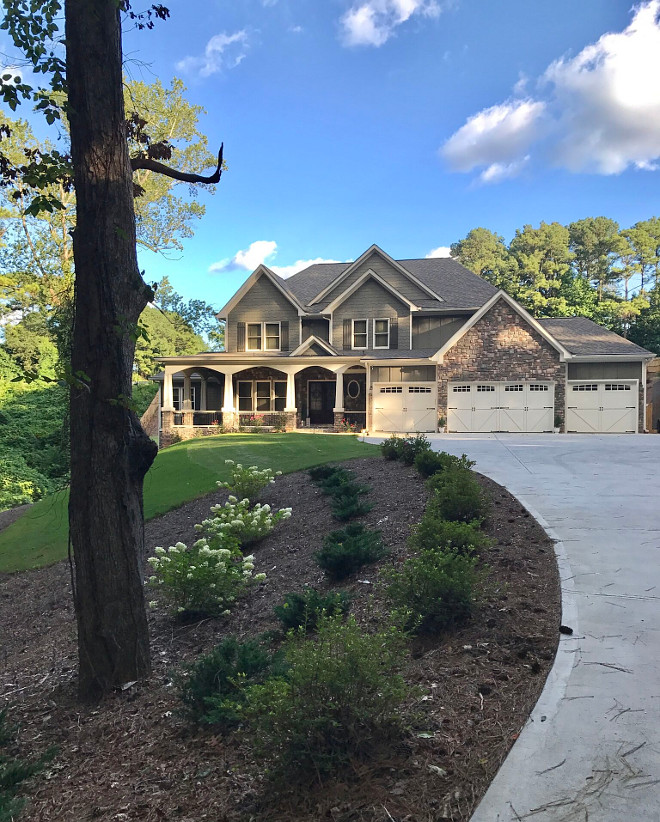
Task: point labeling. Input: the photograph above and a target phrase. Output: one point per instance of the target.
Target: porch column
(228, 402)
(168, 394)
(339, 393)
(187, 394)
(202, 395)
(290, 393)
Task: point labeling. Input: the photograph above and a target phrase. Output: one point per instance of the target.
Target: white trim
(374, 332)
(309, 342)
(612, 357)
(370, 275)
(564, 354)
(644, 369)
(263, 325)
(365, 332)
(224, 312)
(353, 266)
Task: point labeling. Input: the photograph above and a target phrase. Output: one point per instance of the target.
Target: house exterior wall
(371, 301)
(434, 331)
(318, 328)
(263, 303)
(502, 346)
(604, 371)
(384, 270)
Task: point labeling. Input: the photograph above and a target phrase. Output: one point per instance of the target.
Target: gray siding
(386, 272)
(604, 371)
(433, 332)
(318, 328)
(263, 303)
(371, 301)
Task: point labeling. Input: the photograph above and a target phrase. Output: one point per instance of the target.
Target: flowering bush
(247, 482)
(202, 579)
(236, 521)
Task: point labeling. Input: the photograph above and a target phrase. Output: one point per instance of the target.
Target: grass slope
(179, 474)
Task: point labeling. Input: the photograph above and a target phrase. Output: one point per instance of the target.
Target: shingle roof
(582, 337)
(458, 287)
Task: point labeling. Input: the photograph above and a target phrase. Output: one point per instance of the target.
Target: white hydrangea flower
(153, 603)
(153, 579)
(159, 551)
(232, 498)
(180, 545)
(226, 612)
(153, 561)
(230, 462)
(189, 576)
(260, 577)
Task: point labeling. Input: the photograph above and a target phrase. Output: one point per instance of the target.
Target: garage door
(521, 407)
(600, 407)
(406, 407)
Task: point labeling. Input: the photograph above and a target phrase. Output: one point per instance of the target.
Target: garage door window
(461, 389)
(586, 387)
(616, 387)
(533, 387)
(419, 389)
(391, 389)
(513, 387)
(485, 388)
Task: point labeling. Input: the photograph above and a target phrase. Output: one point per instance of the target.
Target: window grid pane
(254, 337)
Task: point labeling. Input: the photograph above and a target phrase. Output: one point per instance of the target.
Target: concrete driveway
(591, 748)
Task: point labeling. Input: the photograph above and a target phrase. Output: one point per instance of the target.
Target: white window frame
(365, 332)
(373, 325)
(263, 325)
(253, 396)
(178, 392)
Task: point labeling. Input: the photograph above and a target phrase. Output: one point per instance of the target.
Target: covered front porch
(202, 398)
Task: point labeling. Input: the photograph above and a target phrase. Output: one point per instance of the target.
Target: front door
(321, 402)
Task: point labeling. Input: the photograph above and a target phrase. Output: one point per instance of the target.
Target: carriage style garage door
(520, 407)
(407, 406)
(602, 407)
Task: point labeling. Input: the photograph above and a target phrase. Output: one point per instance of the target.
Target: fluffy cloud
(440, 251)
(596, 112)
(223, 51)
(372, 22)
(261, 251)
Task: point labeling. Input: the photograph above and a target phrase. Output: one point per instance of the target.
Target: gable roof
(369, 275)
(311, 341)
(459, 288)
(258, 272)
(583, 337)
(474, 319)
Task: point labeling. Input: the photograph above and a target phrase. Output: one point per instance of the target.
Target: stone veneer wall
(502, 346)
(314, 372)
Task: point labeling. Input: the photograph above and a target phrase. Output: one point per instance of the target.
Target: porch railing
(198, 418)
(355, 419)
(254, 419)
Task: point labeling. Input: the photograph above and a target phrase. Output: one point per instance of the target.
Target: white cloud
(261, 251)
(596, 112)
(440, 251)
(373, 22)
(496, 135)
(223, 51)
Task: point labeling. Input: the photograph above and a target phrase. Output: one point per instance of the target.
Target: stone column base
(291, 420)
(230, 420)
(339, 416)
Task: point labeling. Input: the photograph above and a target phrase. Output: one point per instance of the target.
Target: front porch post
(339, 393)
(290, 409)
(228, 403)
(202, 395)
(186, 405)
(168, 394)
(167, 411)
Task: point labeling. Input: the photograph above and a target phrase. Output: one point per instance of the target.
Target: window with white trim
(177, 397)
(382, 333)
(263, 336)
(360, 335)
(244, 395)
(261, 396)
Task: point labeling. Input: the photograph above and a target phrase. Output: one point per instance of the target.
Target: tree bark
(110, 453)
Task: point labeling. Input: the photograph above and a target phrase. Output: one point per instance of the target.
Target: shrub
(347, 504)
(411, 447)
(341, 695)
(322, 472)
(391, 447)
(432, 462)
(213, 687)
(436, 588)
(13, 772)
(237, 520)
(345, 492)
(345, 551)
(303, 610)
(247, 482)
(201, 580)
(434, 533)
(456, 495)
(334, 482)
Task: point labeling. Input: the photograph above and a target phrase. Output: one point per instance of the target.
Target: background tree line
(590, 268)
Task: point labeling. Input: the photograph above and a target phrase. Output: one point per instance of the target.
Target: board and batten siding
(263, 303)
(434, 331)
(386, 272)
(604, 371)
(371, 301)
(317, 328)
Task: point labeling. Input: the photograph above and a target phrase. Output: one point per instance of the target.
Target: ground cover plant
(179, 474)
(14, 772)
(135, 754)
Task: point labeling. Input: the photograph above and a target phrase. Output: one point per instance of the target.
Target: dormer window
(263, 336)
(382, 333)
(360, 335)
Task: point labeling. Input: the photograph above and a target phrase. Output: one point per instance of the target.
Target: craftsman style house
(400, 345)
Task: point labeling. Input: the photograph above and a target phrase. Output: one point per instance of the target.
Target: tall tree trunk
(110, 453)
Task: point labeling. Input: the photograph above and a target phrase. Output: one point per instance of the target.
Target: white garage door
(521, 407)
(601, 407)
(406, 407)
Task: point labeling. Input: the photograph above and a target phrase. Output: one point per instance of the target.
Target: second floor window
(360, 334)
(263, 336)
(381, 333)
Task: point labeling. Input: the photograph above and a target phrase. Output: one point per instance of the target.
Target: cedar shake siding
(387, 273)
(263, 303)
(372, 301)
(501, 346)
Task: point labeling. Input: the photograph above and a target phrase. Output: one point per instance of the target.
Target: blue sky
(405, 123)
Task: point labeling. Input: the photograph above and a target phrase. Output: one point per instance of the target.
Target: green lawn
(179, 474)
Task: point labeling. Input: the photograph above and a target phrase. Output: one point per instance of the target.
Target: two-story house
(396, 346)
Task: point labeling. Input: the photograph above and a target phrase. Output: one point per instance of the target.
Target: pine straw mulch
(133, 758)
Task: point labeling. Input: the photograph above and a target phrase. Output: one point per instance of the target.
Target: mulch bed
(134, 758)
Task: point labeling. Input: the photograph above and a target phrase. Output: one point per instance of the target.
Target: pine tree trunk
(110, 453)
